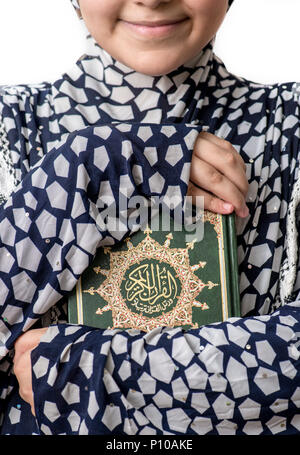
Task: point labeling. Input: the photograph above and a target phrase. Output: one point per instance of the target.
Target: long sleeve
(236, 377)
(52, 224)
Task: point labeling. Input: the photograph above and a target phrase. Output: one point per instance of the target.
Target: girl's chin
(152, 66)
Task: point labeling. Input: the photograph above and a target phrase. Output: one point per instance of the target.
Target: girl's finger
(225, 145)
(227, 162)
(208, 201)
(28, 341)
(210, 180)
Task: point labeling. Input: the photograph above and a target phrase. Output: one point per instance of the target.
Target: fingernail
(228, 207)
(245, 212)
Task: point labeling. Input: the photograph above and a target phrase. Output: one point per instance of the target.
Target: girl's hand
(218, 173)
(22, 363)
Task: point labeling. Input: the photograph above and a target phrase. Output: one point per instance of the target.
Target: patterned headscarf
(97, 77)
(75, 3)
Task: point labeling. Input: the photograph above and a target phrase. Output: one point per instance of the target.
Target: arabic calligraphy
(151, 287)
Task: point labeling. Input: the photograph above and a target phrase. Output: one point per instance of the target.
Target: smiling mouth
(154, 29)
(156, 23)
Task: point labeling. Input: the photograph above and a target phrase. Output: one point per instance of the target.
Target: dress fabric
(103, 133)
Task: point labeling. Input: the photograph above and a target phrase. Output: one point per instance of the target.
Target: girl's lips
(154, 29)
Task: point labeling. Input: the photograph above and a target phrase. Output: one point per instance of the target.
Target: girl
(149, 80)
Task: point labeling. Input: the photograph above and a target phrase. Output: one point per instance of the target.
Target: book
(157, 278)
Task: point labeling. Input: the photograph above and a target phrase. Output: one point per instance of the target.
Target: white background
(40, 39)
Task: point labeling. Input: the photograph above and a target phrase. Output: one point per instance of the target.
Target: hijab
(105, 90)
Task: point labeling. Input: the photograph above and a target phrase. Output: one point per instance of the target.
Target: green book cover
(157, 278)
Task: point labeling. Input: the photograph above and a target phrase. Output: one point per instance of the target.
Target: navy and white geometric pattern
(238, 377)
(103, 130)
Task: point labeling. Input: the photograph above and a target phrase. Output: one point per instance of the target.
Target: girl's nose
(151, 3)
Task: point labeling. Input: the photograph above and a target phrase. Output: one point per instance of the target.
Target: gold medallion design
(151, 285)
